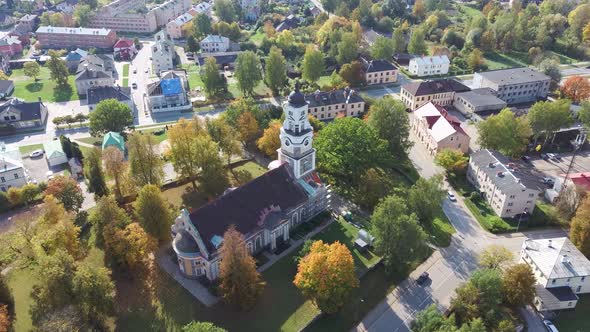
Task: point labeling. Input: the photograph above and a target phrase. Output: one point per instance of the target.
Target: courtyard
(28, 89)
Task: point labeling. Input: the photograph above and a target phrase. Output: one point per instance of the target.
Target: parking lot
(556, 168)
(38, 167)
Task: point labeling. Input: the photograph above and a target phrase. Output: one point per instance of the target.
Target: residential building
(438, 130)
(89, 76)
(5, 64)
(97, 93)
(28, 23)
(22, 115)
(54, 153)
(163, 53)
(98, 62)
(10, 46)
(331, 104)
(250, 9)
(429, 65)
(113, 139)
(67, 6)
(6, 20)
(561, 270)
(224, 59)
(124, 49)
(170, 93)
(175, 28)
(6, 88)
(379, 72)
(509, 187)
(201, 8)
(579, 183)
(402, 59)
(73, 59)
(370, 36)
(516, 85)
(264, 210)
(290, 22)
(69, 38)
(12, 171)
(214, 44)
(169, 10)
(481, 101)
(441, 92)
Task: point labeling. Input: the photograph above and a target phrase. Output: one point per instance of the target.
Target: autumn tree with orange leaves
(326, 275)
(270, 140)
(240, 284)
(576, 88)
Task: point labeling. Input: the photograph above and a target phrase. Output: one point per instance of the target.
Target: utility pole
(578, 143)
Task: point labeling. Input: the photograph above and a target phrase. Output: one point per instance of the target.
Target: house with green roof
(113, 139)
(54, 153)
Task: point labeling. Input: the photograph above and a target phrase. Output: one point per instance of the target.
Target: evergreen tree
(94, 173)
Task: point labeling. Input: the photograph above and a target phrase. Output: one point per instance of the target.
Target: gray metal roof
(514, 76)
(482, 97)
(557, 258)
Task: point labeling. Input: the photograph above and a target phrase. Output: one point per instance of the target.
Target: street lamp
(520, 218)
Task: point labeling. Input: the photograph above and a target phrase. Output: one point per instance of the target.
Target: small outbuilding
(54, 153)
(113, 139)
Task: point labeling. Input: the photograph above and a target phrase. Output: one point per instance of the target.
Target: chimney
(565, 259)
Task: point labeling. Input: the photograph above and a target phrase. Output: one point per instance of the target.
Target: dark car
(556, 156)
(422, 278)
(544, 156)
(526, 159)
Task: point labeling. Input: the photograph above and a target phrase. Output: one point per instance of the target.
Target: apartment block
(331, 104)
(429, 65)
(63, 37)
(517, 85)
(441, 92)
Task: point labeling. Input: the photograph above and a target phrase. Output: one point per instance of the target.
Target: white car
(36, 153)
(451, 196)
(550, 327)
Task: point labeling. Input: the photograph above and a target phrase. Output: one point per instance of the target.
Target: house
(290, 22)
(6, 20)
(54, 153)
(441, 92)
(561, 270)
(89, 76)
(509, 187)
(97, 93)
(214, 44)
(98, 62)
(12, 171)
(113, 139)
(579, 182)
(124, 49)
(28, 23)
(176, 27)
(10, 46)
(5, 64)
(315, 11)
(67, 6)
(201, 8)
(73, 59)
(379, 72)
(22, 115)
(402, 59)
(224, 59)
(69, 38)
(170, 93)
(6, 88)
(370, 36)
(331, 104)
(516, 85)
(481, 101)
(250, 9)
(429, 65)
(264, 210)
(163, 53)
(438, 130)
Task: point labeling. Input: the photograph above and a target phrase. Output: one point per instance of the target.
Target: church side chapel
(265, 209)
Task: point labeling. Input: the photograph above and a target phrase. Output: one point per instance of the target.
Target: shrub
(474, 196)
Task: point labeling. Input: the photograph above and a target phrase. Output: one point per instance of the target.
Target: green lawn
(257, 37)
(21, 283)
(126, 70)
(29, 90)
(29, 148)
(497, 60)
(194, 78)
(125, 82)
(441, 231)
(468, 11)
(252, 167)
(575, 320)
(324, 80)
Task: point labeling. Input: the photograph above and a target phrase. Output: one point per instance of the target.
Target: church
(265, 209)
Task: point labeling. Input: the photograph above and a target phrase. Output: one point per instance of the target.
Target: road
(447, 267)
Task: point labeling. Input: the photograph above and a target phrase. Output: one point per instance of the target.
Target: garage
(54, 153)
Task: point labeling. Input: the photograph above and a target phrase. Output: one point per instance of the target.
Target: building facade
(561, 270)
(124, 49)
(89, 77)
(250, 9)
(481, 101)
(264, 210)
(517, 85)
(11, 46)
(429, 65)
(440, 92)
(12, 170)
(379, 72)
(22, 115)
(438, 130)
(175, 28)
(331, 104)
(170, 93)
(163, 53)
(214, 44)
(71, 38)
(507, 186)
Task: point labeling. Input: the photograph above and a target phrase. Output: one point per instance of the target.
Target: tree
(14, 196)
(201, 327)
(550, 68)
(389, 113)
(432, 320)
(248, 128)
(57, 69)
(519, 284)
(94, 290)
(419, 10)
(495, 257)
(584, 113)
(32, 69)
(398, 40)
(67, 191)
(248, 72)
(347, 147)
(452, 160)
(576, 88)
(546, 118)
(83, 14)
(383, 48)
(475, 60)
(425, 197)
(399, 239)
(202, 26)
(578, 18)
(313, 64)
(417, 44)
(352, 73)
(275, 75)
(110, 115)
(226, 138)
(68, 318)
(580, 227)
(479, 298)
(192, 45)
(130, 246)
(270, 141)
(326, 275)
(347, 48)
(240, 283)
(28, 192)
(118, 169)
(285, 39)
(213, 81)
(94, 173)
(144, 160)
(5, 324)
(153, 212)
(224, 9)
(107, 214)
(505, 132)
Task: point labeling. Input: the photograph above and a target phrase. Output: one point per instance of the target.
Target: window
(16, 175)
(569, 304)
(531, 195)
(583, 278)
(553, 281)
(2, 179)
(578, 289)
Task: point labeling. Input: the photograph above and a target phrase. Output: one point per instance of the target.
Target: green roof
(53, 149)
(114, 139)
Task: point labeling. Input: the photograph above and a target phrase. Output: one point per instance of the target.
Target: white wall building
(12, 170)
(163, 53)
(429, 65)
(214, 44)
(516, 85)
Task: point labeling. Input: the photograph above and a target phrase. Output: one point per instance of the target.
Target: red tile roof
(123, 42)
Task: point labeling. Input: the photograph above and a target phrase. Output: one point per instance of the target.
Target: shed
(54, 153)
(113, 139)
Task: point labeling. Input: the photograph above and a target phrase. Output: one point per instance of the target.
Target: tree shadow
(34, 87)
(63, 93)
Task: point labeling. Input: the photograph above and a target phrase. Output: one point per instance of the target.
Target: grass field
(126, 70)
(29, 148)
(468, 11)
(324, 80)
(252, 167)
(27, 89)
(496, 60)
(125, 82)
(194, 78)
(257, 37)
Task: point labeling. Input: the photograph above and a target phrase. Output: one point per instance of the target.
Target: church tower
(297, 135)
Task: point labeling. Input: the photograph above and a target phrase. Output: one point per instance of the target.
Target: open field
(27, 89)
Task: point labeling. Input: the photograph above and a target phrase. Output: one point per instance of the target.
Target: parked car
(557, 156)
(451, 196)
(36, 153)
(422, 278)
(548, 180)
(134, 85)
(551, 156)
(544, 156)
(550, 327)
(526, 159)
(135, 70)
